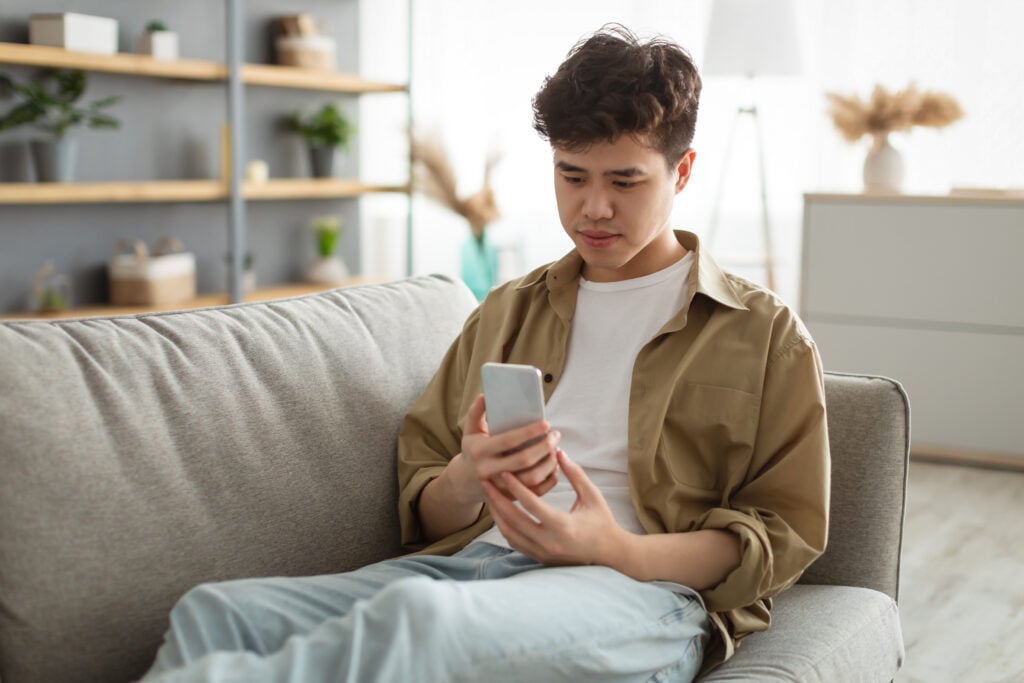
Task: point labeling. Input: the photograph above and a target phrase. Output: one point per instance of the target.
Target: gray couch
(142, 455)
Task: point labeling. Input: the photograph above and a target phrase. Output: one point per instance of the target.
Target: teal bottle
(479, 263)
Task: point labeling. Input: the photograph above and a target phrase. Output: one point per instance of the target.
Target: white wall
(478, 63)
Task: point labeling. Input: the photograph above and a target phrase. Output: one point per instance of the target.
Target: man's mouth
(598, 238)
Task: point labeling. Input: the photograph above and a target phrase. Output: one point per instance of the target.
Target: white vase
(883, 167)
(327, 270)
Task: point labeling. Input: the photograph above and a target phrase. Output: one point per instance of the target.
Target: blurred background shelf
(190, 69)
(185, 191)
(201, 301)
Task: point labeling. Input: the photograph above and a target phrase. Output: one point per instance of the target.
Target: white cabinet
(929, 291)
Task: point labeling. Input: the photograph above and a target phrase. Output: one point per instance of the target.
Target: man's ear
(684, 168)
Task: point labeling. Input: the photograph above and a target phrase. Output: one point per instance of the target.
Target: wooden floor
(962, 577)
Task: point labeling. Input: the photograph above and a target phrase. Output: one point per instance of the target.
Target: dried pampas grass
(433, 176)
(887, 112)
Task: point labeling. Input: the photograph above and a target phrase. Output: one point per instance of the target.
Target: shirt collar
(706, 275)
(709, 278)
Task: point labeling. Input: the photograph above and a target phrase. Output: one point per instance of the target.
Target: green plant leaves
(22, 114)
(48, 103)
(329, 126)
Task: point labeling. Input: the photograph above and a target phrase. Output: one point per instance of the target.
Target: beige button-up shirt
(726, 424)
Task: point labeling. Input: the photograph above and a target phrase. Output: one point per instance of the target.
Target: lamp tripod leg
(716, 208)
(769, 260)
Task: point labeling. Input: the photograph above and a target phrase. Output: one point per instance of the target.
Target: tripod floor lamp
(750, 38)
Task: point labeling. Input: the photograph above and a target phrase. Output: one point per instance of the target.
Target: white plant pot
(162, 45)
(249, 281)
(329, 270)
(883, 167)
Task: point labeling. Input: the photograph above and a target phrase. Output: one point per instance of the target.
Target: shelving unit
(191, 69)
(234, 75)
(185, 191)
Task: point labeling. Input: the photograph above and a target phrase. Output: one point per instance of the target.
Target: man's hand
(587, 534)
(485, 457)
(453, 500)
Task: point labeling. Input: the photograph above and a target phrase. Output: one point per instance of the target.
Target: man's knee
(209, 602)
(421, 600)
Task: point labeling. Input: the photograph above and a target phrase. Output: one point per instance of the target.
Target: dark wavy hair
(611, 84)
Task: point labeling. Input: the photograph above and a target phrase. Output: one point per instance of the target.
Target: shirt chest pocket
(708, 434)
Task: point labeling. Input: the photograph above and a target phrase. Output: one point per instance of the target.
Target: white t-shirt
(590, 405)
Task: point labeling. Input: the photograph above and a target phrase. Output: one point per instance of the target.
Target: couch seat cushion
(826, 634)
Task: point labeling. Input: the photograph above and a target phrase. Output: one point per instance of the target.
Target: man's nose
(597, 204)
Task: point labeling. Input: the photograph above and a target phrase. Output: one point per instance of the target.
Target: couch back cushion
(869, 438)
(142, 455)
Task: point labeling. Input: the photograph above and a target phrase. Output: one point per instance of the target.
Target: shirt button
(549, 378)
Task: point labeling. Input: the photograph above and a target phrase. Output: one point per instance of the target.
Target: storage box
(137, 278)
(306, 52)
(79, 32)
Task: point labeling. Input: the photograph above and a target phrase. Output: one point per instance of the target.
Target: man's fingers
(475, 423)
(540, 489)
(534, 454)
(504, 507)
(516, 538)
(532, 503)
(514, 439)
(579, 480)
(519, 461)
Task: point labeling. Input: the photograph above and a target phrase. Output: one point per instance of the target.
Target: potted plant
(323, 131)
(49, 102)
(50, 290)
(159, 42)
(328, 268)
(888, 112)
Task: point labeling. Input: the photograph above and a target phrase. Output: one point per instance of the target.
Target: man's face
(615, 201)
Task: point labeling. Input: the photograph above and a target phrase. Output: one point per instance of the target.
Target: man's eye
(625, 184)
(572, 179)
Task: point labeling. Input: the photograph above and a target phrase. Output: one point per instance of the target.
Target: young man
(690, 401)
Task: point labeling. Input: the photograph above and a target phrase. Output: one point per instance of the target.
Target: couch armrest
(869, 436)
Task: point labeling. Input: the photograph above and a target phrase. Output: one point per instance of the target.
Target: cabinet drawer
(924, 262)
(965, 389)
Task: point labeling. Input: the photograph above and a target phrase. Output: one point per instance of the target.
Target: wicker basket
(306, 52)
(138, 279)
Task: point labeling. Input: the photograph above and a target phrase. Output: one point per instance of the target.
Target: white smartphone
(513, 395)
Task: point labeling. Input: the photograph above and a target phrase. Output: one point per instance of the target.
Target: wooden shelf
(190, 69)
(184, 191)
(122, 63)
(135, 191)
(314, 188)
(309, 79)
(202, 301)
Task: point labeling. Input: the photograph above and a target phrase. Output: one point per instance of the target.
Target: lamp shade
(752, 38)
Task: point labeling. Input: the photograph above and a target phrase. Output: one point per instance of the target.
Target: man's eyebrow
(630, 172)
(569, 168)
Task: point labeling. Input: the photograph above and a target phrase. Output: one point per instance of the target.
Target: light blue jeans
(484, 614)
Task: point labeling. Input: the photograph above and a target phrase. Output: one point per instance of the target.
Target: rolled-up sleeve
(431, 433)
(780, 510)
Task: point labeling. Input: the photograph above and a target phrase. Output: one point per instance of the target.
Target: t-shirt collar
(710, 280)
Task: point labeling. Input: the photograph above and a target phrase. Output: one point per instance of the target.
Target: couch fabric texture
(141, 455)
